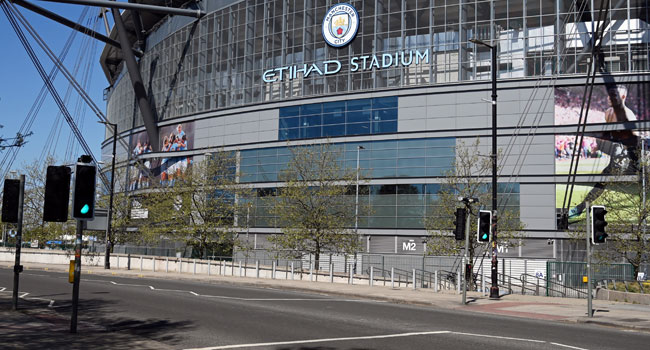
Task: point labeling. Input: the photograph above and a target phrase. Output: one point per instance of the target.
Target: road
(202, 315)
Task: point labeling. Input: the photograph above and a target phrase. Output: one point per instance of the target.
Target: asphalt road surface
(202, 315)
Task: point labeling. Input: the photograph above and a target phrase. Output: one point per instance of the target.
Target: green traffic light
(484, 236)
(85, 209)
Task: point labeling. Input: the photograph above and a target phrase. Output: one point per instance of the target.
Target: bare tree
(469, 178)
(313, 207)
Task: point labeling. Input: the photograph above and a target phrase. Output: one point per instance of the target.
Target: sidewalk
(607, 313)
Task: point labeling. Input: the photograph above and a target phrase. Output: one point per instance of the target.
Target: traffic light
(10, 201)
(484, 230)
(57, 194)
(83, 203)
(598, 224)
(459, 223)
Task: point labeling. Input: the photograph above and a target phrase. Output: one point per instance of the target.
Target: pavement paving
(569, 310)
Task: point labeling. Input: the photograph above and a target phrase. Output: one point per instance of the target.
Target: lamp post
(356, 206)
(494, 289)
(107, 254)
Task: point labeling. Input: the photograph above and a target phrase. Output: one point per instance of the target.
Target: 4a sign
(340, 25)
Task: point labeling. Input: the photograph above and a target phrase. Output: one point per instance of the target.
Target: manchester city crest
(340, 25)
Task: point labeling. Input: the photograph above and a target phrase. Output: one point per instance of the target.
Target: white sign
(410, 245)
(34, 244)
(640, 276)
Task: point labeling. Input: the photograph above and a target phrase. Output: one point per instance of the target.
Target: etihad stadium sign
(357, 63)
(340, 26)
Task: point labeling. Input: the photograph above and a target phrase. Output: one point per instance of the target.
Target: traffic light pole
(19, 241)
(107, 253)
(467, 224)
(77, 277)
(590, 311)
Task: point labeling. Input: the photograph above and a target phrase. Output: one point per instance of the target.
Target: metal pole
(77, 277)
(356, 206)
(494, 290)
(392, 277)
(134, 6)
(467, 225)
(19, 240)
(590, 311)
(107, 254)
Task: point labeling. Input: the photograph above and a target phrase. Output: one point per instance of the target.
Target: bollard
(537, 287)
(483, 283)
(292, 270)
(240, 268)
(128, 261)
(232, 268)
(435, 281)
(392, 277)
(141, 259)
(208, 267)
(194, 267)
(167, 264)
(273, 271)
(179, 266)
(153, 264)
(223, 266)
(257, 269)
(311, 272)
(371, 279)
(351, 274)
(414, 280)
(118, 262)
(331, 273)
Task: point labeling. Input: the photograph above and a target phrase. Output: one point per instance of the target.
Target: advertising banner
(163, 170)
(613, 151)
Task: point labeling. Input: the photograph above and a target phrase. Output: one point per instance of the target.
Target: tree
(627, 214)
(121, 210)
(469, 179)
(313, 207)
(201, 207)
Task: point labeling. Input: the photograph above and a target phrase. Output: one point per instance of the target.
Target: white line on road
(398, 335)
(232, 298)
(308, 341)
(500, 337)
(568, 346)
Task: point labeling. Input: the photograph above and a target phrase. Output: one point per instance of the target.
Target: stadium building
(396, 83)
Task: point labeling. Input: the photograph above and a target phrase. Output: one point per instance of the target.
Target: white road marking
(232, 298)
(499, 337)
(25, 294)
(308, 341)
(568, 346)
(398, 335)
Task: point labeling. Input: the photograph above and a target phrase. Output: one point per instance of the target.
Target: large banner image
(163, 170)
(602, 153)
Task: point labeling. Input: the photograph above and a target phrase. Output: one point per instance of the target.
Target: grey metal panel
(537, 206)
(382, 244)
(411, 125)
(412, 113)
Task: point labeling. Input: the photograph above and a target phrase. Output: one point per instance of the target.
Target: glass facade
(218, 61)
(401, 206)
(355, 117)
(429, 157)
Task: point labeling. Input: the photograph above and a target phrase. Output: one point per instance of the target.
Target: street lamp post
(107, 254)
(494, 289)
(356, 206)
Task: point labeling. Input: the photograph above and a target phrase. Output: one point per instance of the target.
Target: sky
(20, 85)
